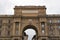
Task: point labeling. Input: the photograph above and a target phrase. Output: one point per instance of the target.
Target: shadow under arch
(30, 27)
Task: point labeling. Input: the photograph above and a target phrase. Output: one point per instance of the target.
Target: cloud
(53, 6)
(30, 33)
(6, 6)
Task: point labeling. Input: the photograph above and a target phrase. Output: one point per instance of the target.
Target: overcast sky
(6, 6)
(30, 33)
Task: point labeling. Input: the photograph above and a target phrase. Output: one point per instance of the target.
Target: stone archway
(29, 27)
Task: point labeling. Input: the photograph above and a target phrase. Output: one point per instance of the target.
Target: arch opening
(30, 33)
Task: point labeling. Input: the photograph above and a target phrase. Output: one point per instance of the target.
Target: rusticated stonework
(12, 27)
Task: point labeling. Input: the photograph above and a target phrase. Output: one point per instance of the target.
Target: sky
(6, 6)
(30, 33)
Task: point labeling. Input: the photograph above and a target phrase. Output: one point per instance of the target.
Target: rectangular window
(8, 21)
(43, 27)
(16, 27)
(50, 21)
(58, 21)
(17, 24)
(51, 33)
(16, 32)
(43, 31)
(9, 26)
(0, 22)
(42, 24)
(0, 26)
(8, 33)
(0, 33)
(59, 32)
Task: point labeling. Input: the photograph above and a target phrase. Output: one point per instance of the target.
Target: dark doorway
(43, 39)
(15, 39)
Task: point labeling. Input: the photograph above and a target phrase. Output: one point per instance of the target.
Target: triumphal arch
(12, 27)
(32, 17)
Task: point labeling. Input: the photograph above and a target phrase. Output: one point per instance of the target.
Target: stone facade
(12, 27)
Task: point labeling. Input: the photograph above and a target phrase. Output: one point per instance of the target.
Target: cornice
(30, 7)
(38, 16)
